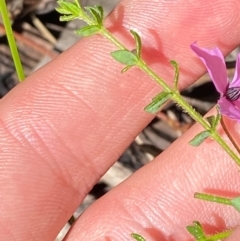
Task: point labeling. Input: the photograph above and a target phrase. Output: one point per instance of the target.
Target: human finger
(74, 117)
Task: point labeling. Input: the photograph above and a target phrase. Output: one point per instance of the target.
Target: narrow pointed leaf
(157, 102)
(138, 42)
(138, 237)
(100, 10)
(199, 138)
(71, 7)
(67, 18)
(214, 120)
(60, 3)
(95, 13)
(77, 2)
(125, 57)
(62, 10)
(87, 30)
(236, 203)
(196, 230)
(211, 120)
(176, 77)
(126, 68)
(217, 119)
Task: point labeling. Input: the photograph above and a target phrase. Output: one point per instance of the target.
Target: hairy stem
(212, 198)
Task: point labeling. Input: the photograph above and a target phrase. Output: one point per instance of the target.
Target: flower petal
(236, 103)
(228, 109)
(236, 79)
(215, 64)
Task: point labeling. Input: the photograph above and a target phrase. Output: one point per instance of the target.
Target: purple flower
(229, 101)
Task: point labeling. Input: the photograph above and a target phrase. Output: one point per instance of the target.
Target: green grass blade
(11, 40)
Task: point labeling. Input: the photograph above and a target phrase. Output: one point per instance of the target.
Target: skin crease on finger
(66, 125)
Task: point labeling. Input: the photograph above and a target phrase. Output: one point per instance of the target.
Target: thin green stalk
(211, 198)
(215, 135)
(111, 38)
(11, 40)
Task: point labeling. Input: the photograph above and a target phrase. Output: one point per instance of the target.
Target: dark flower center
(233, 93)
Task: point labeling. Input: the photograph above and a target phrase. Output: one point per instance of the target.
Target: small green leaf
(69, 6)
(67, 18)
(62, 10)
(196, 230)
(199, 138)
(176, 76)
(100, 10)
(125, 57)
(126, 68)
(157, 102)
(77, 2)
(236, 203)
(95, 14)
(214, 120)
(87, 30)
(211, 120)
(218, 118)
(138, 42)
(138, 237)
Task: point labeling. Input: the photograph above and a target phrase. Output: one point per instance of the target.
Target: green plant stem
(11, 40)
(176, 97)
(212, 198)
(110, 37)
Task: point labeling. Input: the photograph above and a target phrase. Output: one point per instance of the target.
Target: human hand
(67, 124)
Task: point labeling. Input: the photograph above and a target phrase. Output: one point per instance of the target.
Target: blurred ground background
(41, 37)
